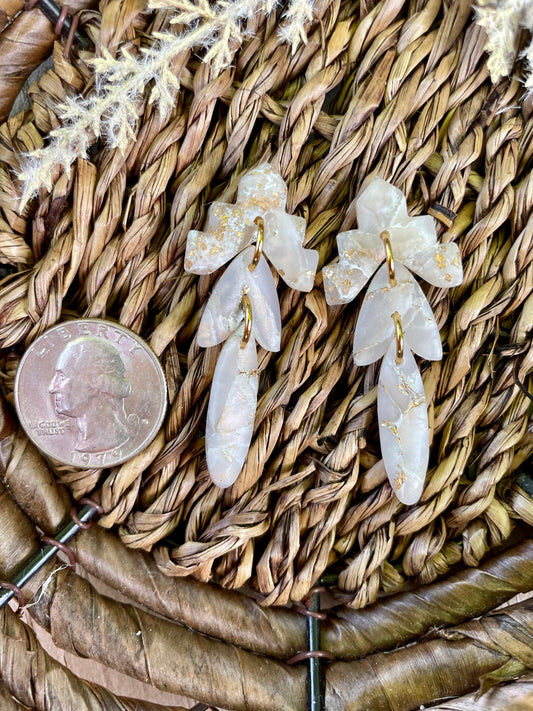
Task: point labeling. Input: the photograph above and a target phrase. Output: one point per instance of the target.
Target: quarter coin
(90, 393)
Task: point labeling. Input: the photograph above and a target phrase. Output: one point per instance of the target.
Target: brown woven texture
(397, 89)
(407, 96)
(238, 645)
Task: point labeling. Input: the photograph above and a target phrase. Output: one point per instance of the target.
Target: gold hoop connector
(246, 306)
(259, 243)
(398, 332)
(385, 236)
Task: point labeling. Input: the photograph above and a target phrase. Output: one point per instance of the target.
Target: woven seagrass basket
(202, 592)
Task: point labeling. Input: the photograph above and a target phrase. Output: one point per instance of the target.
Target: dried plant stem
(517, 695)
(150, 649)
(348, 634)
(489, 650)
(39, 682)
(222, 614)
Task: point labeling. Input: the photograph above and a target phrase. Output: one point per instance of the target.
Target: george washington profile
(90, 385)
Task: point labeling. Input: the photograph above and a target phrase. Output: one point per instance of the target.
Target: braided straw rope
(394, 88)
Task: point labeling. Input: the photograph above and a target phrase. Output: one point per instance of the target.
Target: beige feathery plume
(297, 15)
(111, 111)
(502, 20)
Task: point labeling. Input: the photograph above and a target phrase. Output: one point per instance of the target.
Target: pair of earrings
(395, 319)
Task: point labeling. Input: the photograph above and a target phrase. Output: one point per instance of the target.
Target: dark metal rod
(53, 11)
(315, 672)
(45, 554)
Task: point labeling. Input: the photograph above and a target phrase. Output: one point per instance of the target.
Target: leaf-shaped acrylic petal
(375, 327)
(403, 425)
(342, 283)
(283, 246)
(439, 265)
(227, 231)
(356, 245)
(262, 189)
(411, 236)
(380, 206)
(223, 312)
(231, 410)
(359, 256)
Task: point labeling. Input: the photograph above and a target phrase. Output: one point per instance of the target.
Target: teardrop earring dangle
(233, 399)
(243, 307)
(395, 320)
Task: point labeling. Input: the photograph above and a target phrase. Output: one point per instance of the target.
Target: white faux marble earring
(243, 307)
(395, 319)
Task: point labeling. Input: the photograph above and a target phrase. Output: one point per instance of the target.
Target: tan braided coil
(395, 88)
(400, 89)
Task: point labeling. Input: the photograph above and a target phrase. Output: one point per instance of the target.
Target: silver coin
(90, 393)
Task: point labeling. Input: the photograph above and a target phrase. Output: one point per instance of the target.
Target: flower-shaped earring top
(382, 207)
(230, 228)
(394, 314)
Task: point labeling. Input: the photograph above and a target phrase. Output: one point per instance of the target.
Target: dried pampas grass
(111, 111)
(503, 20)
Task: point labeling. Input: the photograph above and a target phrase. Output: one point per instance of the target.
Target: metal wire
(53, 12)
(258, 244)
(385, 236)
(46, 553)
(398, 332)
(246, 306)
(314, 655)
